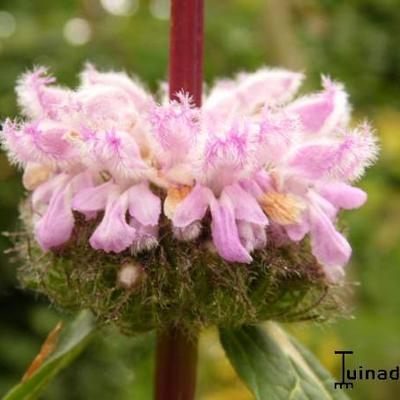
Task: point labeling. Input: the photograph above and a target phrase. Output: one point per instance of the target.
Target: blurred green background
(354, 41)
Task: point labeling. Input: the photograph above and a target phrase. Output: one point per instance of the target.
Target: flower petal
(245, 205)
(230, 156)
(225, 232)
(264, 181)
(342, 195)
(329, 246)
(90, 77)
(296, 232)
(248, 91)
(252, 236)
(36, 97)
(357, 151)
(316, 200)
(49, 141)
(43, 193)
(252, 187)
(93, 199)
(344, 157)
(56, 225)
(144, 205)
(118, 153)
(193, 207)
(323, 112)
(313, 160)
(82, 181)
(41, 141)
(114, 233)
(175, 130)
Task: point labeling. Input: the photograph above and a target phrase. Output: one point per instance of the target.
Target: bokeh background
(354, 41)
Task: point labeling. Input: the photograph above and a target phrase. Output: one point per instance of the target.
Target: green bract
(177, 283)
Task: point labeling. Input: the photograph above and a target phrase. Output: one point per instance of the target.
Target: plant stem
(176, 363)
(176, 354)
(186, 48)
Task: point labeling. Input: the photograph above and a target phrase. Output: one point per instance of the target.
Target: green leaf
(275, 367)
(73, 340)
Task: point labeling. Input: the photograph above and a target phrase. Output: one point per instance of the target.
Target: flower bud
(130, 275)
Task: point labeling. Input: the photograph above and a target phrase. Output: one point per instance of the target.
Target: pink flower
(117, 153)
(295, 159)
(42, 141)
(176, 138)
(325, 112)
(93, 131)
(238, 222)
(37, 97)
(90, 78)
(245, 94)
(55, 224)
(316, 171)
(116, 233)
(252, 156)
(111, 100)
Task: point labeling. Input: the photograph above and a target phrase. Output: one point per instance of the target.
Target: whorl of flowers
(252, 156)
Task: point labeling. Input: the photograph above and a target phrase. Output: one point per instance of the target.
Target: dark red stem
(186, 48)
(176, 354)
(176, 365)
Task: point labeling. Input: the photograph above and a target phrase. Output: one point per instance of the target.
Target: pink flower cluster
(251, 156)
